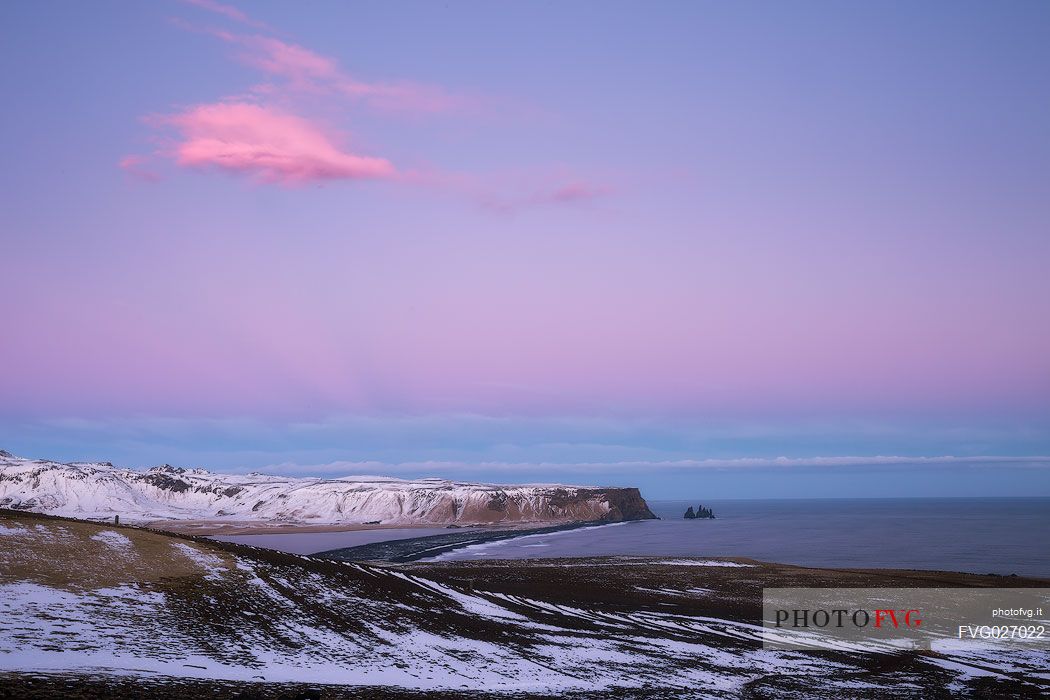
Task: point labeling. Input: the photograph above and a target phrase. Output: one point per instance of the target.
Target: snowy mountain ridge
(100, 490)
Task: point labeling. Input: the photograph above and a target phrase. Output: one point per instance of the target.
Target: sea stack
(701, 513)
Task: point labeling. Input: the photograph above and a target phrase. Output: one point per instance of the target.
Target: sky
(719, 250)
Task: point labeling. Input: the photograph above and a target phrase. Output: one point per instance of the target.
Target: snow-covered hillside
(81, 603)
(100, 490)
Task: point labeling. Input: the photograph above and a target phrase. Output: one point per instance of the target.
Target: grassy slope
(230, 620)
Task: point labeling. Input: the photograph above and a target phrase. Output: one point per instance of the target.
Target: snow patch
(114, 539)
(689, 592)
(700, 562)
(212, 564)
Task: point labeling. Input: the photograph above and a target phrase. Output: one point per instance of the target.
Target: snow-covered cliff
(100, 490)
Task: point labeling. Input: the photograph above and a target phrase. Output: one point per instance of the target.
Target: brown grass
(42, 549)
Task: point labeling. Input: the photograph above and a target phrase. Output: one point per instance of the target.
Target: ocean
(976, 535)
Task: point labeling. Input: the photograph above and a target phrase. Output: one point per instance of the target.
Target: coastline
(208, 528)
(211, 528)
(977, 536)
(185, 615)
(433, 546)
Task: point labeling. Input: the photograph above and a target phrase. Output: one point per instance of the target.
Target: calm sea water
(979, 535)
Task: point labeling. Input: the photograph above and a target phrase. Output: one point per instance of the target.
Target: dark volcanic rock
(627, 504)
(163, 481)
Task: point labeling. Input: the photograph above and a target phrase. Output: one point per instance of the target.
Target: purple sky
(599, 242)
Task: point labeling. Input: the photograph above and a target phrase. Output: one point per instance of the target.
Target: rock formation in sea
(701, 512)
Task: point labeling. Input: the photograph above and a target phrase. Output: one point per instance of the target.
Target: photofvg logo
(890, 619)
(804, 618)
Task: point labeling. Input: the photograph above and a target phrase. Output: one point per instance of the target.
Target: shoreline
(186, 615)
(429, 543)
(429, 548)
(211, 528)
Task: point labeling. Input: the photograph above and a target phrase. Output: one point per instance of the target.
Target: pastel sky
(710, 249)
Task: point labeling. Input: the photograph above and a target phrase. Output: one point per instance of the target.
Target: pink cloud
(136, 165)
(227, 11)
(266, 144)
(275, 57)
(258, 132)
(575, 192)
(306, 70)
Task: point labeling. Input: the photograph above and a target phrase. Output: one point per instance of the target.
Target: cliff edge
(166, 493)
